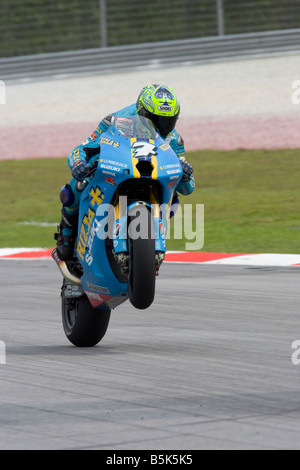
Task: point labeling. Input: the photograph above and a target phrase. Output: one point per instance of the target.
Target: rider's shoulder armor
(176, 142)
(109, 119)
(180, 141)
(127, 111)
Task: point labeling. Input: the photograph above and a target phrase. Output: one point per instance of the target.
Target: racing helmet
(159, 104)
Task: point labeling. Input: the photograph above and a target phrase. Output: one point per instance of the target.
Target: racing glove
(187, 169)
(80, 170)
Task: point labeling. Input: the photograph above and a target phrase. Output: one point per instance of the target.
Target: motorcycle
(125, 207)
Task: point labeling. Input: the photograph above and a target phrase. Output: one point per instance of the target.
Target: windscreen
(136, 126)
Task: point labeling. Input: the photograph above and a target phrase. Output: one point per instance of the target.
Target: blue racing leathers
(89, 151)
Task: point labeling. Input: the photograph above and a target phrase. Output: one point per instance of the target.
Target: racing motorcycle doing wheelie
(121, 241)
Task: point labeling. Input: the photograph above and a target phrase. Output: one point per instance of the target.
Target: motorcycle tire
(142, 271)
(83, 325)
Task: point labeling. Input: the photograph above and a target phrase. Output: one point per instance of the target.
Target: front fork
(121, 228)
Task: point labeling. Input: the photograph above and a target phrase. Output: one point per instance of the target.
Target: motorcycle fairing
(126, 158)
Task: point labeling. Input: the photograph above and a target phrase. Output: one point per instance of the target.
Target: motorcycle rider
(155, 102)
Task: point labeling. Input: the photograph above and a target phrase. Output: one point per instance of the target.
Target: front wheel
(142, 266)
(83, 325)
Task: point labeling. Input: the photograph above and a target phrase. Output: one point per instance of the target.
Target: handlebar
(93, 167)
(80, 185)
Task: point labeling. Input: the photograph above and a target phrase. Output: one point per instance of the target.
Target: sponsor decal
(96, 299)
(163, 230)
(165, 107)
(102, 289)
(96, 198)
(173, 165)
(99, 130)
(76, 155)
(105, 140)
(143, 149)
(92, 137)
(117, 230)
(93, 295)
(113, 162)
(171, 136)
(110, 167)
(165, 146)
(110, 180)
(94, 228)
(84, 232)
(124, 119)
(124, 124)
(89, 259)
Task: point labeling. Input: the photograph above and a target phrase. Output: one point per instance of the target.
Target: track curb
(192, 257)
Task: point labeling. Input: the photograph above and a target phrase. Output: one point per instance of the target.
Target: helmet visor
(164, 124)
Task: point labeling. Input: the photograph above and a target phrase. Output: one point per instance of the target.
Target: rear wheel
(142, 269)
(83, 325)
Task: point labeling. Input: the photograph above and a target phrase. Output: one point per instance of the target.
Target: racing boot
(65, 238)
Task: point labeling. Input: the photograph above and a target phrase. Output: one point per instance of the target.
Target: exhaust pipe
(64, 269)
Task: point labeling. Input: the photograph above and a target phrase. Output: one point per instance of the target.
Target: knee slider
(66, 195)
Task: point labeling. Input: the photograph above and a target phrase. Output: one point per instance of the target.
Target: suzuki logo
(144, 149)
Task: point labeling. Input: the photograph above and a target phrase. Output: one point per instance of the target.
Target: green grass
(251, 200)
(29, 192)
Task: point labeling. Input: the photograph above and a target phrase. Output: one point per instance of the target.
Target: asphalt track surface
(207, 366)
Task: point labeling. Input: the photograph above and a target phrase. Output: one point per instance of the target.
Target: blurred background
(72, 62)
(233, 65)
(37, 26)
